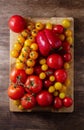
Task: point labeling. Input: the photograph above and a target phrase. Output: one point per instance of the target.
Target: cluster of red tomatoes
(43, 55)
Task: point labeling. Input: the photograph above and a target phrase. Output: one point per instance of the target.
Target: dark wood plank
(42, 121)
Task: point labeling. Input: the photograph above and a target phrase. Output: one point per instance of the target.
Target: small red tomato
(67, 101)
(55, 61)
(57, 103)
(47, 83)
(67, 57)
(49, 72)
(44, 98)
(60, 75)
(28, 101)
(37, 70)
(18, 76)
(17, 23)
(66, 46)
(15, 92)
(58, 29)
(33, 84)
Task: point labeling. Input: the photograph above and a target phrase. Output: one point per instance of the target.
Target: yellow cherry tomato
(66, 23)
(19, 65)
(62, 37)
(52, 78)
(48, 25)
(33, 55)
(69, 39)
(16, 102)
(14, 53)
(42, 61)
(25, 33)
(34, 32)
(20, 107)
(31, 38)
(51, 89)
(27, 43)
(58, 86)
(25, 51)
(68, 32)
(67, 82)
(21, 39)
(17, 46)
(62, 95)
(34, 46)
(66, 65)
(30, 62)
(44, 67)
(42, 75)
(56, 93)
(29, 70)
(39, 26)
(30, 25)
(22, 58)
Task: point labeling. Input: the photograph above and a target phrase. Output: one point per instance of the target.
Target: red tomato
(49, 72)
(58, 29)
(15, 92)
(47, 83)
(44, 98)
(67, 101)
(37, 70)
(33, 84)
(60, 75)
(28, 101)
(55, 61)
(57, 103)
(67, 57)
(17, 23)
(18, 76)
(66, 46)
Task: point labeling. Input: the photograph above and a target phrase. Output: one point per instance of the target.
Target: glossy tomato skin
(15, 92)
(47, 83)
(58, 29)
(66, 46)
(55, 61)
(60, 75)
(18, 75)
(57, 103)
(44, 98)
(33, 84)
(17, 23)
(67, 101)
(28, 101)
(67, 57)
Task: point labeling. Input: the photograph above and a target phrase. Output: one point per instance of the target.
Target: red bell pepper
(43, 43)
(47, 40)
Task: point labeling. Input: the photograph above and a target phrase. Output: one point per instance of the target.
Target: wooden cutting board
(70, 92)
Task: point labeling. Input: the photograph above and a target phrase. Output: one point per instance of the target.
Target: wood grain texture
(42, 121)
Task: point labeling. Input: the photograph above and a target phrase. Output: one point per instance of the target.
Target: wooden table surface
(42, 120)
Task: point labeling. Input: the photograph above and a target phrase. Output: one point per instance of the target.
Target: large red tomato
(18, 76)
(55, 61)
(15, 92)
(28, 101)
(60, 75)
(44, 98)
(33, 84)
(17, 23)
